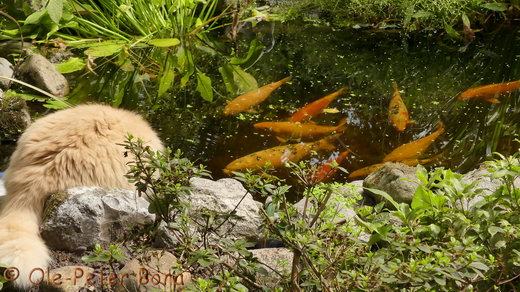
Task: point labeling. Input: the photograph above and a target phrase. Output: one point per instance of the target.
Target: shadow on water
(429, 71)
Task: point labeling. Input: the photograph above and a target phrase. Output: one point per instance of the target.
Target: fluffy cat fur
(69, 148)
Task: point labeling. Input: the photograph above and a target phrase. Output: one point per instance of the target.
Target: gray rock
(274, 259)
(483, 181)
(152, 270)
(6, 70)
(41, 73)
(87, 215)
(342, 210)
(221, 196)
(396, 179)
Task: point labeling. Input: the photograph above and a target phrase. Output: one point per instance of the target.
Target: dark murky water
(430, 71)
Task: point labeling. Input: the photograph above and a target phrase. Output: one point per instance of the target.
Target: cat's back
(79, 146)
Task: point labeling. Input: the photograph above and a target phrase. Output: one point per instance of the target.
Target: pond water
(429, 70)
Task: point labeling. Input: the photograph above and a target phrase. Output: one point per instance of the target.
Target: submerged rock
(84, 216)
(14, 117)
(396, 179)
(7, 70)
(41, 73)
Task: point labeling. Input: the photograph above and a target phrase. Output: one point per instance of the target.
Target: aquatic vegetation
(166, 40)
(411, 15)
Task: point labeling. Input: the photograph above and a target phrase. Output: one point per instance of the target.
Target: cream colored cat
(69, 148)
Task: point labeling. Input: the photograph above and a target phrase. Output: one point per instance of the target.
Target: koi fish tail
(394, 85)
(328, 142)
(341, 125)
(286, 79)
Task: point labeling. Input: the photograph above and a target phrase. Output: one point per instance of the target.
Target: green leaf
(243, 80)
(479, 266)
(104, 51)
(163, 43)
(56, 104)
(55, 9)
(71, 65)
(166, 81)
(494, 230)
(422, 14)
(452, 32)
(384, 195)
(254, 52)
(499, 7)
(227, 76)
(36, 17)
(204, 86)
(465, 20)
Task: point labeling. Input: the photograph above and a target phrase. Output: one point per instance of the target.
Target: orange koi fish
(365, 171)
(397, 112)
(278, 156)
(316, 107)
(490, 92)
(326, 170)
(415, 148)
(252, 98)
(301, 130)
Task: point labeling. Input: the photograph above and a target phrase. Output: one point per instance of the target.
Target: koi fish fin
(411, 122)
(492, 100)
(327, 142)
(342, 122)
(251, 111)
(332, 110)
(282, 140)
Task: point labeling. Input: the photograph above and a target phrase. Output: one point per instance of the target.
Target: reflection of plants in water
(163, 40)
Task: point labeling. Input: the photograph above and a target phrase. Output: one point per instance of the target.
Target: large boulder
(484, 182)
(224, 196)
(396, 179)
(41, 73)
(81, 217)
